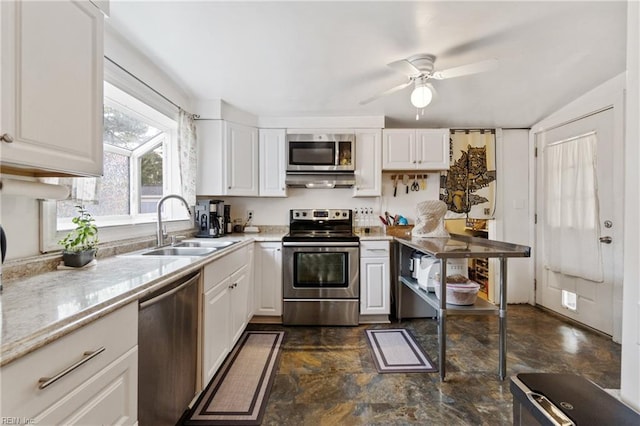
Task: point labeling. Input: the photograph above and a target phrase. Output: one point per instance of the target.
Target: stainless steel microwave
(320, 152)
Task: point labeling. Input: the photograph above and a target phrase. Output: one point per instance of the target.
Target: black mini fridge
(566, 399)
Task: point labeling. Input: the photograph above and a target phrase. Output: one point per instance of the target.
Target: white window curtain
(187, 153)
(572, 224)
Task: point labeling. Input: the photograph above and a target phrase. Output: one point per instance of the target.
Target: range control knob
(297, 214)
(304, 214)
(337, 214)
(344, 214)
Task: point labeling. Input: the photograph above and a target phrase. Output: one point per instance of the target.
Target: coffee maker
(217, 227)
(209, 218)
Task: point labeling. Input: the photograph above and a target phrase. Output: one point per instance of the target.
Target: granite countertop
(40, 309)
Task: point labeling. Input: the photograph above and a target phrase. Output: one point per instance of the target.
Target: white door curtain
(571, 207)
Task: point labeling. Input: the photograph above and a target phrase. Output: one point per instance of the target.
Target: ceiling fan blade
(405, 67)
(460, 71)
(387, 92)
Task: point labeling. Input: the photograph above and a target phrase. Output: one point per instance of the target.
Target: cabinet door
(211, 165)
(52, 66)
(368, 164)
(215, 328)
(242, 160)
(398, 149)
(375, 290)
(432, 150)
(272, 163)
(239, 284)
(268, 282)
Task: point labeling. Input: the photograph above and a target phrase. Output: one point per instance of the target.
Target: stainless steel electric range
(321, 268)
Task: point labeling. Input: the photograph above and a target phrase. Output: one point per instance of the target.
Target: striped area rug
(238, 393)
(396, 351)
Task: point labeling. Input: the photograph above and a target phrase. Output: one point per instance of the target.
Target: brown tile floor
(327, 376)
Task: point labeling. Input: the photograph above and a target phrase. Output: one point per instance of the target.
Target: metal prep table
(460, 246)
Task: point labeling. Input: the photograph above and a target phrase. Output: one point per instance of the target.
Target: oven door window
(312, 153)
(320, 270)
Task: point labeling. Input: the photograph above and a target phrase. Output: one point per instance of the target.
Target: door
(242, 160)
(432, 149)
(398, 149)
(272, 163)
(52, 85)
(268, 282)
(569, 292)
(368, 164)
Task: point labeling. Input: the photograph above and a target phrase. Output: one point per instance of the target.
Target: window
(140, 166)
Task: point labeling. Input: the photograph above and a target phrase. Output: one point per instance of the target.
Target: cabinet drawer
(223, 267)
(117, 333)
(109, 397)
(374, 248)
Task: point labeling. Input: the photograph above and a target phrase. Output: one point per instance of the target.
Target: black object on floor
(566, 399)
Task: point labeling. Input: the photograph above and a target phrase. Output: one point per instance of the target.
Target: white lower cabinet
(227, 288)
(97, 370)
(268, 279)
(375, 278)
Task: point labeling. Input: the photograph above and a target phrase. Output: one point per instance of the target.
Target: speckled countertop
(42, 308)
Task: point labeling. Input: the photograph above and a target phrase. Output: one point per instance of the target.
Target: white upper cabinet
(415, 149)
(432, 149)
(273, 169)
(51, 86)
(368, 163)
(227, 159)
(242, 160)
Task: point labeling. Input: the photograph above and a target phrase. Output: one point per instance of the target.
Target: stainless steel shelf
(481, 307)
(459, 246)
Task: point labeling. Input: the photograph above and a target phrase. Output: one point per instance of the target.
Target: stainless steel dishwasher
(167, 351)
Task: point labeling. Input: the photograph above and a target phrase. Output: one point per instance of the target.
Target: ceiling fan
(419, 69)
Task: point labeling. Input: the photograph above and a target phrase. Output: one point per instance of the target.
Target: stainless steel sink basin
(180, 251)
(186, 248)
(206, 243)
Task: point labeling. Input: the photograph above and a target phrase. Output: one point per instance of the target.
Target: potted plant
(81, 244)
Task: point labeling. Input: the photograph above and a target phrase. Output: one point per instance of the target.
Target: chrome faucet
(162, 234)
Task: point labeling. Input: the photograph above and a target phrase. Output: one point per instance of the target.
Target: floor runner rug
(396, 351)
(238, 393)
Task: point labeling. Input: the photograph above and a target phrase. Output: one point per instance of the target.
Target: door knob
(6, 137)
(606, 240)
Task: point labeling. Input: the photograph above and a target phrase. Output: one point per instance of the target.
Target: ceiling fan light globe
(421, 97)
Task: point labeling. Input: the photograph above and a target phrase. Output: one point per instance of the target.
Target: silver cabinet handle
(43, 382)
(606, 240)
(6, 137)
(379, 249)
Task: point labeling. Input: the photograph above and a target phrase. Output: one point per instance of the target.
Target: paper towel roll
(32, 189)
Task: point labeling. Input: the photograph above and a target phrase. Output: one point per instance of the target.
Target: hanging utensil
(414, 185)
(405, 182)
(423, 183)
(395, 185)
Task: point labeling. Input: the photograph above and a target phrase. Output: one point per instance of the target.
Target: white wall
(512, 210)
(20, 220)
(275, 211)
(630, 380)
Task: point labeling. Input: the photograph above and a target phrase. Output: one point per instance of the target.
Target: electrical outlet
(249, 215)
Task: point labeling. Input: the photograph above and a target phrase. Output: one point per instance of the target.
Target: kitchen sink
(205, 244)
(186, 248)
(179, 251)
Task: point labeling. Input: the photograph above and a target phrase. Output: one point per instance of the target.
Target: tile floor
(327, 375)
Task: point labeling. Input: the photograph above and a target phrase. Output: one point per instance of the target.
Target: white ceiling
(322, 58)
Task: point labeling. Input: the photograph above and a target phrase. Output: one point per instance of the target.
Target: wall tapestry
(468, 187)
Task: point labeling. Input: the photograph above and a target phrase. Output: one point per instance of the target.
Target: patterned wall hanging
(468, 187)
